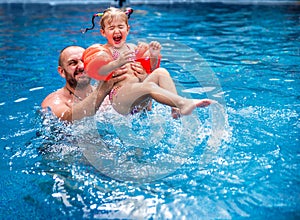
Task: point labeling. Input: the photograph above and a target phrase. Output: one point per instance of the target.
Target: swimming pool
(253, 51)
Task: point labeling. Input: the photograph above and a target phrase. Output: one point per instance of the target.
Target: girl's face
(116, 31)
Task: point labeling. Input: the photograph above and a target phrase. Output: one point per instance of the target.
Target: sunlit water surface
(251, 65)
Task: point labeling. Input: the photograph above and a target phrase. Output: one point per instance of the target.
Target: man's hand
(118, 76)
(139, 71)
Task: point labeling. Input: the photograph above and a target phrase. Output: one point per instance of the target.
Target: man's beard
(81, 83)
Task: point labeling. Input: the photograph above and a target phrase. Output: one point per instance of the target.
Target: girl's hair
(111, 13)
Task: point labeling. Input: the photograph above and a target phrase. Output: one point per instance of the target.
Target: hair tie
(93, 22)
(128, 12)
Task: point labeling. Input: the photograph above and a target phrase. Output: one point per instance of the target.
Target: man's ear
(61, 71)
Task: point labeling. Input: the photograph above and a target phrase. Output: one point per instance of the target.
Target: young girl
(132, 94)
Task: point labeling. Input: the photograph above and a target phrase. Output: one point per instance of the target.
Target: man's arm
(87, 107)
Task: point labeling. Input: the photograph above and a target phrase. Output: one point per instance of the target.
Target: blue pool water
(250, 63)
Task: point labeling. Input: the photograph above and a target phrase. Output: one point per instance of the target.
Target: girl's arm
(125, 57)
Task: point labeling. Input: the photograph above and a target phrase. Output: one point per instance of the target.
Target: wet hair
(111, 13)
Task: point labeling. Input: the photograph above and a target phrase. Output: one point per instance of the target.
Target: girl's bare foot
(202, 103)
(191, 104)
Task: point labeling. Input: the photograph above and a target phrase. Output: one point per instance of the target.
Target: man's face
(73, 67)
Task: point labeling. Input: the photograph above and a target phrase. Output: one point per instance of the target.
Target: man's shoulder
(52, 99)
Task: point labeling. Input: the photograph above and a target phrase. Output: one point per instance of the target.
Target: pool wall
(113, 2)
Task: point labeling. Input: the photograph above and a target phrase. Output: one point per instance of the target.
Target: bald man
(78, 98)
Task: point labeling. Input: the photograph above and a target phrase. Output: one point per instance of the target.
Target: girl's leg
(131, 95)
(162, 78)
(185, 106)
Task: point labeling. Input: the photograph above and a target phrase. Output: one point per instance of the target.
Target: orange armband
(95, 57)
(145, 62)
(143, 56)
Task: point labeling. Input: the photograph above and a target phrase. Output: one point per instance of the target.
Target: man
(78, 98)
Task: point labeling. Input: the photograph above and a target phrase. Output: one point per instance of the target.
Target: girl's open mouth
(117, 39)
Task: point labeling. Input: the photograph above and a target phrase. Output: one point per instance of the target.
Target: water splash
(220, 129)
(124, 154)
(147, 147)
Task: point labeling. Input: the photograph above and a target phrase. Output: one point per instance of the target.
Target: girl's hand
(125, 57)
(141, 49)
(154, 48)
